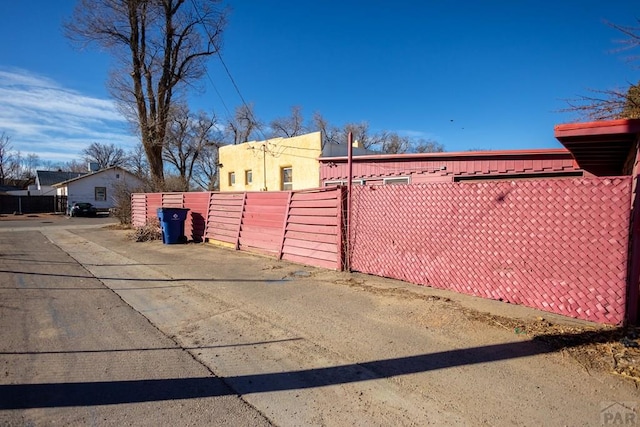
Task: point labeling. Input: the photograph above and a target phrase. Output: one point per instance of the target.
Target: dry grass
(148, 232)
(595, 348)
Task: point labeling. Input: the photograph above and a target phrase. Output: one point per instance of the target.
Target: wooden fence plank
(328, 203)
(306, 244)
(310, 253)
(313, 220)
(333, 212)
(320, 229)
(312, 237)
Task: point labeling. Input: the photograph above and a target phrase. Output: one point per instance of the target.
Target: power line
(226, 69)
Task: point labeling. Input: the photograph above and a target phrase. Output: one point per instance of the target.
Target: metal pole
(264, 167)
(349, 188)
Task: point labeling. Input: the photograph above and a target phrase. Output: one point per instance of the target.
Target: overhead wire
(228, 72)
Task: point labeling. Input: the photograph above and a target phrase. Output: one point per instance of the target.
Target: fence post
(244, 203)
(284, 224)
(349, 188)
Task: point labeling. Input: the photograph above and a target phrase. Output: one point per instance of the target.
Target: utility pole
(264, 167)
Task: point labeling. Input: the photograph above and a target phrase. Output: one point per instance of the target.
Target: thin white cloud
(56, 123)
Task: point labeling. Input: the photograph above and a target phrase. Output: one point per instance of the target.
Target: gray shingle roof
(54, 177)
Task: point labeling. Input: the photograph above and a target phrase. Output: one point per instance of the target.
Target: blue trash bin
(172, 224)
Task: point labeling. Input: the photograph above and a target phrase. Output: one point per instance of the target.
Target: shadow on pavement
(48, 395)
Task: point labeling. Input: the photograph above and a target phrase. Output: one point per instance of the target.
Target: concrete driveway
(288, 344)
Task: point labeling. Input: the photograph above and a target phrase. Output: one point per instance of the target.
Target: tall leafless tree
(161, 46)
(75, 166)
(395, 144)
(187, 137)
(105, 155)
(207, 167)
(5, 157)
(243, 125)
(330, 133)
(427, 146)
(290, 126)
(137, 163)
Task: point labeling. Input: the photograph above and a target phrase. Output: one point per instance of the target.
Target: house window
(396, 181)
(232, 179)
(287, 179)
(248, 177)
(101, 194)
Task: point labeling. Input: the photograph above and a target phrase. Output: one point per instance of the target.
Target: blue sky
(470, 74)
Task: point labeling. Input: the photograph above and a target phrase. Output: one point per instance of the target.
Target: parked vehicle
(83, 209)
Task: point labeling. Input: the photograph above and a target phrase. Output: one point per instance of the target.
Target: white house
(98, 188)
(45, 180)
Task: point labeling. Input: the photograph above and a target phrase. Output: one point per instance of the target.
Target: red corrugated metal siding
(449, 167)
(312, 235)
(556, 245)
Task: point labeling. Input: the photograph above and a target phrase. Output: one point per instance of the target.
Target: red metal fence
(557, 245)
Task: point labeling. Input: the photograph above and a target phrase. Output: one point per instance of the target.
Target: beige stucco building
(271, 165)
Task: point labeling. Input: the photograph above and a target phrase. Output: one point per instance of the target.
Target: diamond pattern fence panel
(313, 233)
(556, 245)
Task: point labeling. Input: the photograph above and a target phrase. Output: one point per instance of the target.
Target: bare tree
(427, 146)
(610, 104)
(136, 162)
(288, 127)
(396, 144)
(162, 46)
(105, 155)
(187, 138)
(369, 140)
(243, 125)
(207, 167)
(330, 133)
(30, 164)
(382, 141)
(6, 157)
(75, 166)
(15, 166)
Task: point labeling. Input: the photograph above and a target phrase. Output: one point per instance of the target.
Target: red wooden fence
(300, 226)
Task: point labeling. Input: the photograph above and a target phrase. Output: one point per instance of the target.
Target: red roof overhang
(600, 147)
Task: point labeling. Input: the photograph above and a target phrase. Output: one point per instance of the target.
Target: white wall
(83, 190)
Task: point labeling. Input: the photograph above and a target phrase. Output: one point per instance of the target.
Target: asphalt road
(98, 330)
(36, 222)
(74, 353)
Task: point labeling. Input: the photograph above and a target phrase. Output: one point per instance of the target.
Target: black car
(83, 209)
